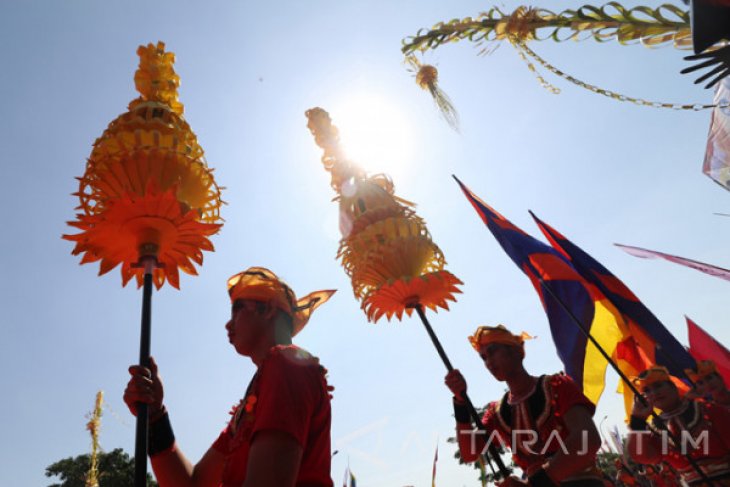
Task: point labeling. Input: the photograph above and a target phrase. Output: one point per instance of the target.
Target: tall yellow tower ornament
(147, 190)
(148, 201)
(385, 249)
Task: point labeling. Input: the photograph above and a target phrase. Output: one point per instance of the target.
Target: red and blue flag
(651, 336)
(547, 268)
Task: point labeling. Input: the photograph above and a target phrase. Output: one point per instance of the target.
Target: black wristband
(461, 413)
(540, 479)
(161, 436)
(637, 424)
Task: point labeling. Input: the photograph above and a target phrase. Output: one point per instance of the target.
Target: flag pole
(615, 367)
(470, 406)
(148, 261)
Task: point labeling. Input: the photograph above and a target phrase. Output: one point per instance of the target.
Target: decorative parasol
(148, 200)
(386, 249)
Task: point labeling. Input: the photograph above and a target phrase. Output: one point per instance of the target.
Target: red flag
(703, 346)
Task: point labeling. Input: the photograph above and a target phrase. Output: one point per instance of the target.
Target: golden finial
(155, 78)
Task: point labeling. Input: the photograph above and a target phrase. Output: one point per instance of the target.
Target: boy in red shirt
(546, 421)
(279, 434)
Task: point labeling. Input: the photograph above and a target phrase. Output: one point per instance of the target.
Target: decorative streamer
(651, 27)
(526, 52)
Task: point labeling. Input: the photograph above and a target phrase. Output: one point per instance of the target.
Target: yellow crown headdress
(652, 375)
(485, 335)
(260, 284)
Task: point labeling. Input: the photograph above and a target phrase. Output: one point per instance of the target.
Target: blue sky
(598, 170)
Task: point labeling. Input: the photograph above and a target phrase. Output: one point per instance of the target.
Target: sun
(374, 133)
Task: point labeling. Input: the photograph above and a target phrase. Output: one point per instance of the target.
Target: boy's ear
(270, 311)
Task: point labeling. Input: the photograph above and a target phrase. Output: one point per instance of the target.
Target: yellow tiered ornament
(385, 249)
(147, 189)
(148, 201)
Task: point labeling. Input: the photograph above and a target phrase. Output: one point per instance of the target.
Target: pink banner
(699, 266)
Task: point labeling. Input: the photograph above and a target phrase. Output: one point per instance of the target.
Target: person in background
(709, 384)
(546, 421)
(685, 427)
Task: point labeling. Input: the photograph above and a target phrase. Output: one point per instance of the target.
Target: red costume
(701, 420)
(543, 412)
(625, 478)
(662, 477)
(289, 393)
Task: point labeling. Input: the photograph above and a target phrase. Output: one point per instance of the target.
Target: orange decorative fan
(386, 248)
(148, 201)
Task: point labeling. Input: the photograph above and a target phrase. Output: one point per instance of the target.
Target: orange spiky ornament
(147, 190)
(385, 249)
(148, 201)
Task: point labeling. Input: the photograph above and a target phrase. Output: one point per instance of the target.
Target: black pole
(615, 367)
(633, 473)
(140, 447)
(472, 410)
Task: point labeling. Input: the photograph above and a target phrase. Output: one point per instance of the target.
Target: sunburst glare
(374, 133)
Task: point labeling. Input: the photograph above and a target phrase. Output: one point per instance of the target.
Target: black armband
(161, 436)
(461, 413)
(541, 479)
(637, 424)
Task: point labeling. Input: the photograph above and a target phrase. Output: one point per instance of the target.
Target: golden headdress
(652, 375)
(484, 335)
(260, 284)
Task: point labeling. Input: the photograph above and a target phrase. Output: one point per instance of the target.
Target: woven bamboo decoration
(385, 249)
(147, 190)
